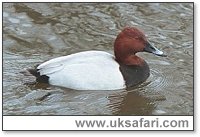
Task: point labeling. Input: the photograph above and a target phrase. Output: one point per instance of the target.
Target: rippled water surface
(34, 33)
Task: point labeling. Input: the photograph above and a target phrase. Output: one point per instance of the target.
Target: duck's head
(130, 41)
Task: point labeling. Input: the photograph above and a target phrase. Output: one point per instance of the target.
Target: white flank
(90, 70)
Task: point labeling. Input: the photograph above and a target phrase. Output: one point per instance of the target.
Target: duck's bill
(151, 49)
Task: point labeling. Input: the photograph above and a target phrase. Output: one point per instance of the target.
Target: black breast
(133, 74)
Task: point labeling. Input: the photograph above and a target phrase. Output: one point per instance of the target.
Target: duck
(100, 70)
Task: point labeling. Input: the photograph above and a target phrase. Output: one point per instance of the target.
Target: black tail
(39, 78)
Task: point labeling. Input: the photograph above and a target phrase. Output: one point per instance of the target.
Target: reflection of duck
(130, 103)
(98, 70)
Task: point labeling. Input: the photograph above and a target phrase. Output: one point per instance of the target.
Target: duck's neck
(130, 60)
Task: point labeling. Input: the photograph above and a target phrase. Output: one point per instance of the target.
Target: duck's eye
(138, 38)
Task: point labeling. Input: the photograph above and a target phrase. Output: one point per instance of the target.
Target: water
(34, 33)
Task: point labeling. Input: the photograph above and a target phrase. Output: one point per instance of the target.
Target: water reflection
(131, 103)
(121, 102)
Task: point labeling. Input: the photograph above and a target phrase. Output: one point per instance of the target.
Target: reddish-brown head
(130, 41)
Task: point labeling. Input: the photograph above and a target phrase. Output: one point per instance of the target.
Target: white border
(111, 122)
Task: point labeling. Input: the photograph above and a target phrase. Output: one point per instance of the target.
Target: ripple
(159, 80)
(14, 20)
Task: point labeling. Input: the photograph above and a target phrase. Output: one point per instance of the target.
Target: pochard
(99, 70)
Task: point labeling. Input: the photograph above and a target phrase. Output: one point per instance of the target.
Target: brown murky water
(34, 33)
